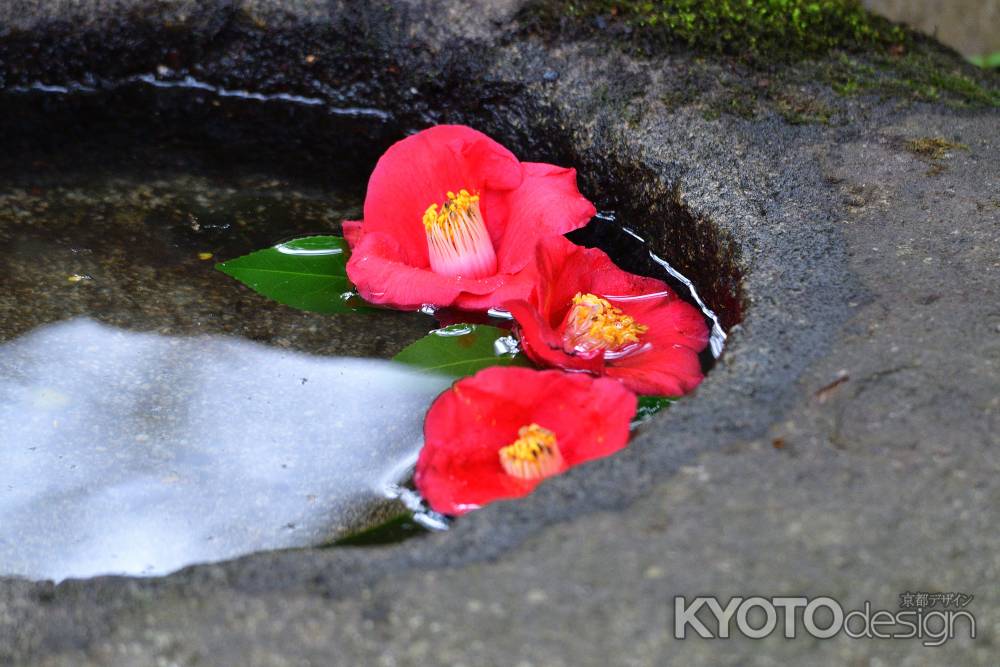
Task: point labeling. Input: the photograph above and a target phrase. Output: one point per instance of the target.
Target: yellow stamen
(594, 324)
(456, 207)
(534, 455)
(458, 243)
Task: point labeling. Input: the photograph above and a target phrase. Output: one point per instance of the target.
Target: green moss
(933, 151)
(679, 98)
(744, 27)
(932, 148)
(790, 42)
(925, 78)
(846, 76)
(796, 106)
(919, 75)
(802, 110)
(738, 101)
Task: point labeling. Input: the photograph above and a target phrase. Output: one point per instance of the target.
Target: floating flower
(452, 218)
(588, 315)
(499, 433)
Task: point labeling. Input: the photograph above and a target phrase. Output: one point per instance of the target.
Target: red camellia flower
(499, 433)
(586, 314)
(451, 218)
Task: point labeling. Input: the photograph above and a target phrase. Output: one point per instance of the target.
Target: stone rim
(539, 121)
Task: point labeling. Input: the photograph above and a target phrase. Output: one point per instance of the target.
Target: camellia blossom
(589, 315)
(499, 433)
(452, 218)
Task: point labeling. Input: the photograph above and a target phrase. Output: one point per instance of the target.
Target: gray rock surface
(845, 445)
(971, 27)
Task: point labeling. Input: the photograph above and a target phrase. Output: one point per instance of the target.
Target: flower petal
(548, 203)
(543, 344)
(670, 371)
(351, 229)
(593, 416)
(505, 288)
(676, 333)
(667, 362)
(378, 269)
(459, 467)
(670, 321)
(420, 170)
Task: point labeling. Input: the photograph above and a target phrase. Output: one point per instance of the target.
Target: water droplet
(291, 249)
(455, 330)
(506, 345)
(412, 501)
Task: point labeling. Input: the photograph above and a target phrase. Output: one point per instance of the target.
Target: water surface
(141, 453)
(155, 412)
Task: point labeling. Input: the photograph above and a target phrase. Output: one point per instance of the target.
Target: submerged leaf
(460, 349)
(393, 530)
(307, 273)
(649, 406)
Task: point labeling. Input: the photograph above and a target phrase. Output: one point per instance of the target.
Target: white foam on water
(136, 453)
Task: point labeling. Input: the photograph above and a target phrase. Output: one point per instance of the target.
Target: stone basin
(843, 445)
(119, 194)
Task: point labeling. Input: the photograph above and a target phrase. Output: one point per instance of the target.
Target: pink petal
(351, 229)
(420, 170)
(378, 270)
(548, 203)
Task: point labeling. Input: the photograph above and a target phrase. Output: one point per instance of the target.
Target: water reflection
(137, 453)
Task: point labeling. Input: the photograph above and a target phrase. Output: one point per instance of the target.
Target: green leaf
(391, 531)
(649, 406)
(308, 273)
(459, 350)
